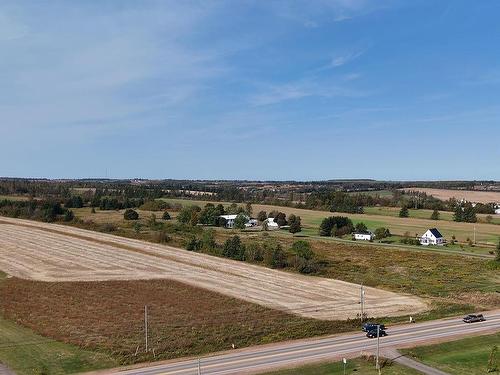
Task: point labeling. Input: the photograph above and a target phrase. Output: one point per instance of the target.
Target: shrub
(166, 216)
(68, 215)
(130, 214)
(404, 212)
(302, 249)
(162, 236)
(240, 221)
(295, 224)
(274, 256)
(381, 233)
(234, 249)
(193, 244)
(208, 239)
(253, 252)
(435, 215)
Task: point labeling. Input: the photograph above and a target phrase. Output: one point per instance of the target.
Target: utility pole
(146, 326)
(362, 302)
(377, 364)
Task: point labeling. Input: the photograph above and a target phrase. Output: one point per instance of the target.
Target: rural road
(258, 359)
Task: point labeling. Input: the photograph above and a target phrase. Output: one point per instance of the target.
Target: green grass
(28, 353)
(463, 357)
(357, 366)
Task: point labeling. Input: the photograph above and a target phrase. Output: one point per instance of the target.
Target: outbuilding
(271, 224)
(432, 237)
(364, 236)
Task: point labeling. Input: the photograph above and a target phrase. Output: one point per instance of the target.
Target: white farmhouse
(497, 211)
(271, 224)
(231, 218)
(432, 237)
(364, 236)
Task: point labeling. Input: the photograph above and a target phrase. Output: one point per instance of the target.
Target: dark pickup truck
(367, 327)
(373, 333)
(473, 318)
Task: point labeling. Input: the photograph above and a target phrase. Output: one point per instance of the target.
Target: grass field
(183, 320)
(357, 366)
(463, 357)
(423, 214)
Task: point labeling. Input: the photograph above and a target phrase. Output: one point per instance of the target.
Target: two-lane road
(261, 358)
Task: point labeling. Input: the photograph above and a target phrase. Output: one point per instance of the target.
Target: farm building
(364, 236)
(497, 210)
(231, 218)
(252, 223)
(432, 237)
(271, 224)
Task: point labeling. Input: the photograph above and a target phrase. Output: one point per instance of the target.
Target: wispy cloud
(345, 58)
(310, 87)
(131, 62)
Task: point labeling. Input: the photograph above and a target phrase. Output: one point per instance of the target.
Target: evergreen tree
(361, 228)
(234, 249)
(404, 212)
(295, 224)
(469, 213)
(435, 215)
(458, 214)
(130, 214)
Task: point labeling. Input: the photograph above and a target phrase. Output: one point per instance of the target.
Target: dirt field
(49, 252)
(472, 196)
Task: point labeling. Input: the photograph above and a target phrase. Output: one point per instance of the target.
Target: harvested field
(472, 196)
(49, 252)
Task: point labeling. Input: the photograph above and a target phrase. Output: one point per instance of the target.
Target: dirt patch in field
(471, 196)
(49, 252)
(183, 320)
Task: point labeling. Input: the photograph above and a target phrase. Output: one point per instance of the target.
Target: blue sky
(250, 89)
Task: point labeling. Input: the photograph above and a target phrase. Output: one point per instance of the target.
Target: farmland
(419, 272)
(27, 352)
(62, 253)
(469, 195)
(108, 317)
(486, 234)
